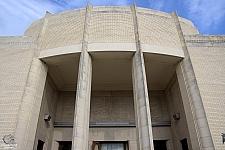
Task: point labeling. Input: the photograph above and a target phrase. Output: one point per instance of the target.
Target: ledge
(112, 47)
(112, 124)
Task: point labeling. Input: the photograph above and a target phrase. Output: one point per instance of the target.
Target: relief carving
(112, 109)
(106, 134)
(128, 133)
(156, 107)
(95, 133)
(118, 133)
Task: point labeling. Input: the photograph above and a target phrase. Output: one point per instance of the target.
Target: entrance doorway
(65, 145)
(105, 145)
(159, 145)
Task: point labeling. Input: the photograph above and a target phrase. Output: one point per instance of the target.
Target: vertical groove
(188, 73)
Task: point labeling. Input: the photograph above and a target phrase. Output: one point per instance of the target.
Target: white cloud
(17, 15)
(156, 4)
(206, 13)
(28, 8)
(83, 3)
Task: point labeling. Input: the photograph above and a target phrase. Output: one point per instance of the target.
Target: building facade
(112, 78)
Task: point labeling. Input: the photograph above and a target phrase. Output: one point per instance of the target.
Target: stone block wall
(158, 106)
(157, 29)
(179, 128)
(111, 106)
(207, 54)
(65, 107)
(35, 28)
(48, 106)
(111, 25)
(64, 29)
(187, 27)
(16, 55)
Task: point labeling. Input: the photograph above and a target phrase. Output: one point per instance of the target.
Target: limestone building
(112, 78)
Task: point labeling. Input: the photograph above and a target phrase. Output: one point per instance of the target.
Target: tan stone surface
(13, 77)
(22, 80)
(30, 105)
(34, 29)
(57, 36)
(179, 128)
(109, 24)
(157, 30)
(187, 28)
(111, 106)
(48, 106)
(192, 98)
(208, 63)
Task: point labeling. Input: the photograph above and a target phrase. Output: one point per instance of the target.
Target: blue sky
(16, 15)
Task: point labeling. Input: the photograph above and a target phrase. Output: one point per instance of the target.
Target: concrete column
(28, 115)
(141, 99)
(82, 106)
(198, 126)
(27, 120)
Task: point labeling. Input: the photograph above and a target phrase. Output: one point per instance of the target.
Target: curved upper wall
(109, 24)
(35, 28)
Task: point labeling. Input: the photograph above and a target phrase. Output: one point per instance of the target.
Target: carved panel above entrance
(112, 109)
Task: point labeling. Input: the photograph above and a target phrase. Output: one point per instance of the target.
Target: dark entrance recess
(65, 145)
(159, 145)
(102, 145)
(184, 144)
(40, 145)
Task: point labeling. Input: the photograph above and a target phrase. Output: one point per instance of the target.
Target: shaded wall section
(49, 103)
(179, 128)
(111, 106)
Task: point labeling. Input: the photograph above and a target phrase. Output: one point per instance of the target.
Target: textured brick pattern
(35, 28)
(64, 29)
(65, 107)
(187, 27)
(208, 63)
(157, 30)
(13, 76)
(111, 107)
(202, 40)
(158, 106)
(110, 25)
(179, 128)
(48, 106)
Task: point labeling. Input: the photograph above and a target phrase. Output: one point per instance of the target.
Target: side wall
(179, 127)
(14, 70)
(49, 103)
(207, 55)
